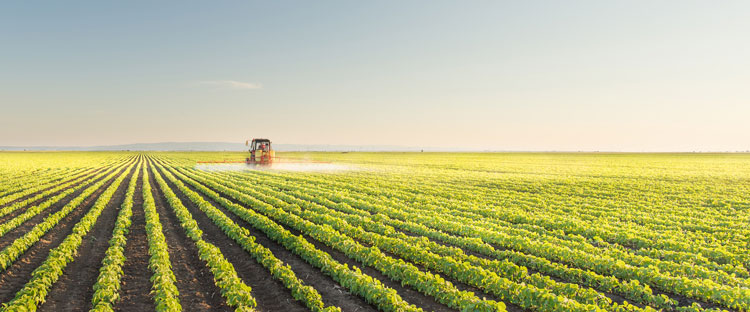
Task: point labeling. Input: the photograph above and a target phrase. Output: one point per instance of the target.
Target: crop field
(129, 231)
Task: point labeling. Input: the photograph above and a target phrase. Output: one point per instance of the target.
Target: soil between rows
(682, 300)
(23, 209)
(459, 285)
(136, 284)
(270, 294)
(14, 278)
(197, 290)
(408, 294)
(331, 291)
(22, 229)
(82, 176)
(7, 177)
(629, 247)
(614, 297)
(74, 290)
(6, 192)
(419, 299)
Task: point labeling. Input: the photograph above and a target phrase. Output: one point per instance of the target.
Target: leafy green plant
(43, 277)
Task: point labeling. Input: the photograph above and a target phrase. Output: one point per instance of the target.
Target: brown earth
(331, 291)
(14, 278)
(270, 294)
(59, 204)
(74, 290)
(195, 283)
(419, 299)
(84, 176)
(136, 285)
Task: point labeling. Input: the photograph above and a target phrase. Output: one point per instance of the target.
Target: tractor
(260, 152)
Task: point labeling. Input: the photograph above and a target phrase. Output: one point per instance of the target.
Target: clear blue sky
(523, 75)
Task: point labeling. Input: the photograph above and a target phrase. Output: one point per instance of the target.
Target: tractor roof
(262, 140)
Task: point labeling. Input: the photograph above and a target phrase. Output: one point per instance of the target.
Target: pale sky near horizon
(494, 75)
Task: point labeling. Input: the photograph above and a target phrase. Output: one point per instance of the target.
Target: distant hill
(223, 146)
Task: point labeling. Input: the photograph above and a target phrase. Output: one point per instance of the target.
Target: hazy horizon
(516, 76)
(291, 147)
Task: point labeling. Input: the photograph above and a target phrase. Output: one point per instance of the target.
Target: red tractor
(260, 152)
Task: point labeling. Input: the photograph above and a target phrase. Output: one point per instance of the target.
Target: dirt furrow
(19, 231)
(136, 284)
(330, 290)
(269, 293)
(683, 301)
(614, 297)
(412, 296)
(86, 174)
(13, 279)
(25, 187)
(194, 280)
(74, 290)
(419, 299)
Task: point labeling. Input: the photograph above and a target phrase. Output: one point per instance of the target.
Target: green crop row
(372, 290)
(107, 286)
(280, 271)
(407, 274)
(35, 210)
(514, 264)
(163, 287)
(526, 296)
(565, 223)
(20, 245)
(64, 186)
(236, 292)
(562, 233)
(732, 297)
(36, 183)
(43, 277)
(413, 246)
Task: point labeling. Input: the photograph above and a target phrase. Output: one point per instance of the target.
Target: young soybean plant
(107, 287)
(236, 292)
(43, 277)
(163, 280)
(282, 272)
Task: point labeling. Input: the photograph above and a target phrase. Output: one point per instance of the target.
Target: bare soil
(412, 296)
(136, 283)
(14, 278)
(25, 188)
(270, 294)
(195, 283)
(87, 175)
(331, 291)
(74, 290)
(427, 303)
(22, 229)
(682, 300)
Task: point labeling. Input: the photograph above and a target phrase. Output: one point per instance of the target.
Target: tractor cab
(260, 151)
